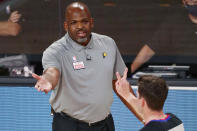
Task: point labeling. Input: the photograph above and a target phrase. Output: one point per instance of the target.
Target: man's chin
(82, 40)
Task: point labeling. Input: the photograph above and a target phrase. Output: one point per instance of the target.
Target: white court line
(177, 88)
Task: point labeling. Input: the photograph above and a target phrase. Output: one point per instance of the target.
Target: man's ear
(65, 26)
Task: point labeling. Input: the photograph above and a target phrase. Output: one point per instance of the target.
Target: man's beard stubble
(82, 40)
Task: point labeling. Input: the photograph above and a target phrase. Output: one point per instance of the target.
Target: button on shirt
(84, 91)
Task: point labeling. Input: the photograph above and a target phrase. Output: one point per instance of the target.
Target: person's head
(78, 22)
(153, 90)
(191, 6)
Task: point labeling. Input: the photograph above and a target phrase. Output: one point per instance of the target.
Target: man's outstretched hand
(42, 84)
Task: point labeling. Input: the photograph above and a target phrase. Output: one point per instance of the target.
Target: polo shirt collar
(77, 46)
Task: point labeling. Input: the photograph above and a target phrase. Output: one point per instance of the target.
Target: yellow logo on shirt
(104, 54)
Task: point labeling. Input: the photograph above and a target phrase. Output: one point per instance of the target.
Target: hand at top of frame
(14, 17)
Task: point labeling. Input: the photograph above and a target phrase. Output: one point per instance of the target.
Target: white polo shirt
(84, 90)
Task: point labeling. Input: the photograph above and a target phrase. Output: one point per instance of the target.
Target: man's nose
(79, 25)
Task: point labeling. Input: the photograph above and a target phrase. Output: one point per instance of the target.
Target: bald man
(79, 69)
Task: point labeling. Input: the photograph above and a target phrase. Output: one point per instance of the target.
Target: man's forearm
(143, 56)
(52, 75)
(9, 28)
(133, 106)
(130, 102)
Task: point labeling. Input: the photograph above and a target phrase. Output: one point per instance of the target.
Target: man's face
(79, 25)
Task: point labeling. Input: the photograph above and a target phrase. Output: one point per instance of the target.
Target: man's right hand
(14, 17)
(122, 85)
(42, 84)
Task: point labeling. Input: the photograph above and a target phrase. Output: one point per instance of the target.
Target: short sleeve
(119, 65)
(51, 58)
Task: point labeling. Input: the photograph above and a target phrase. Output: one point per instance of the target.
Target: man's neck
(153, 115)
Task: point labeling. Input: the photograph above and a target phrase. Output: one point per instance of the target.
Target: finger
(39, 89)
(125, 73)
(15, 17)
(45, 91)
(36, 76)
(14, 20)
(42, 89)
(118, 76)
(36, 86)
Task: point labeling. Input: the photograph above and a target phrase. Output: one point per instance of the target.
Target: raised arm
(126, 94)
(11, 27)
(143, 56)
(48, 80)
